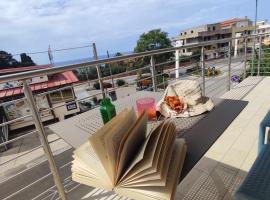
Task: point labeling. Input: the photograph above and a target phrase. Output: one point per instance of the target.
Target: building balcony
(216, 32)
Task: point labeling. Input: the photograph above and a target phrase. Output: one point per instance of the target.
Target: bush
(120, 82)
(105, 85)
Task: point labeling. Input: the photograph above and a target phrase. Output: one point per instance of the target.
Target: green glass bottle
(107, 110)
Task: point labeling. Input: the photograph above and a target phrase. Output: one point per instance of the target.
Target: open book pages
(130, 163)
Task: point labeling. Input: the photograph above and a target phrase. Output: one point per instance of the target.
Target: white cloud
(34, 24)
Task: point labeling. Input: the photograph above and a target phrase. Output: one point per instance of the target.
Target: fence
(215, 77)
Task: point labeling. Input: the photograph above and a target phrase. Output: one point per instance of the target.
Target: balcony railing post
(245, 62)
(253, 54)
(260, 55)
(203, 70)
(229, 65)
(43, 139)
(153, 73)
(98, 70)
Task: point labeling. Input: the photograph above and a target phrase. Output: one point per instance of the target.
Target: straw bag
(190, 92)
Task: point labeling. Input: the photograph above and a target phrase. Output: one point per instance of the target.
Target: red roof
(55, 80)
(21, 69)
(230, 22)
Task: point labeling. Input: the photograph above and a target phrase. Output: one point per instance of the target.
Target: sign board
(71, 106)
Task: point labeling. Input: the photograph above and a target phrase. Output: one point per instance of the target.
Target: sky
(114, 25)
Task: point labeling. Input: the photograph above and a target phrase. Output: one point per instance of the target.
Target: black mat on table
(201, 136)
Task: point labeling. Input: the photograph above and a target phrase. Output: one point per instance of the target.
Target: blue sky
(29, 26)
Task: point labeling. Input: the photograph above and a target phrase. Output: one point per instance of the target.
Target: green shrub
(120, 82)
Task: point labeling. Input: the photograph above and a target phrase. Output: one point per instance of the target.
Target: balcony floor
(219, 173)
(216, 176)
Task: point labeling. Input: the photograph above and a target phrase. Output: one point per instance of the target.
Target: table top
(76, 130)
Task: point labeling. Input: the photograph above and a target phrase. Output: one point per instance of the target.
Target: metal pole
(203, 70)
(108, 55)
(245, 63)
(98, 71)
(256, 14)
(177, 64)
(153, 73)
(43, 139)
(254, 42)
(229, 65)
(260, 56)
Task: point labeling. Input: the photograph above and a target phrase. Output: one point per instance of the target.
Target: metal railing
(209, 84)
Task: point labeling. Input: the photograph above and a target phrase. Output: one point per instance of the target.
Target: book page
(154, 135)
(160, 161)
(131, 145)
(160, 192)
(106, 141)
(86, 167)
(153, 161)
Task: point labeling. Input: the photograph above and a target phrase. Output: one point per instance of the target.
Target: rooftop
(231, 21)
(54, 81)
(22, 69)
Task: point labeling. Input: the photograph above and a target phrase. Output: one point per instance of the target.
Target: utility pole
(50, 56)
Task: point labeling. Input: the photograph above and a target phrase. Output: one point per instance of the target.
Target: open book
(122, 157)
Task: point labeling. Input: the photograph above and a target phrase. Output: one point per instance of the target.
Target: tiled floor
(19, 157)
(223, 168)
(220, 172)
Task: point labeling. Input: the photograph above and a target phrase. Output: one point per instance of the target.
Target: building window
(61, 95)
(185, 33)
(208, 29)
(214, 28)
(181, 33)
(67, 94)
(56, 97)
(191, 31)
(184, 50)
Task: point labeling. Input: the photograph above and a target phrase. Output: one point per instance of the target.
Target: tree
(26, 60)
(153, 40)
(7, 61)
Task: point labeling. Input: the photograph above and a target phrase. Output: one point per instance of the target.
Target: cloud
(113, 24)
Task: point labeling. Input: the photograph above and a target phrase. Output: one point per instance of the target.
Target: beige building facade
(232, 28)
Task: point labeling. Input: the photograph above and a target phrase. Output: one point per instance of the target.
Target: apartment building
(262, 28)
(226, 29)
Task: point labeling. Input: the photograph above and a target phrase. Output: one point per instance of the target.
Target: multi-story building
(263, 28)
(240, 28)
(230, 28)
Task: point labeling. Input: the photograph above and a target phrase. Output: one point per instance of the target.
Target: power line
(54, 50)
